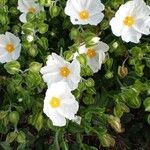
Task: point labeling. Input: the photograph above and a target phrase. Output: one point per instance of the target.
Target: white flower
(95, 55)
(26, 6)
(57, 69)
(10, 47)
(131, 21)
(60, 104)
(85, 11)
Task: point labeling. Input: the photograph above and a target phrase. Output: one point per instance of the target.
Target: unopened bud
(122, 71)
(115, 123)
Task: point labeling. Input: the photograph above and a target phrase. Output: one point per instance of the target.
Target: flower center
(64, 71)
(10, 47)
(32, 10)
(129, 21)
(91, 53)
(84, 15)
(54, 102)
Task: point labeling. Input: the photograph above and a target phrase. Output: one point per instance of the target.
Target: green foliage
(114, 103)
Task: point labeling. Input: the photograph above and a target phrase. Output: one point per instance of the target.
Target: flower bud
(14, 117)
(14, 11)
(54, 11)
(28, 28)
(82, 59)
(16, 29)
(74, 33)
(43, 28)
(12, 67)
(90, 82)
(3, 2)
(122, 71)
(115, 123)
(109, 75)
(107, 140)
(4, 19)
(35, 67)
(45, 3)
(30, 16)
(32, 51)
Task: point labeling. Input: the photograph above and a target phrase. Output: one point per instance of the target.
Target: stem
(80, 142)
(61, 52)
(15, 128)
(120, 82)
(80, 28)
(56, 140)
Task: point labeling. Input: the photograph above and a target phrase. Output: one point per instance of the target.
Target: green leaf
(21, 147)
(5, 146)
(3, 128)
(148, 119)
(11, 137)
(21, 137)
(3, 114)
(37, 121)
(33, 79)
(87, 147)
(43, 42)
(147, 104)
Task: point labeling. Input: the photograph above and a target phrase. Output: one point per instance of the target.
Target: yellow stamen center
(129, 21)
(54, 102)
(91, 53)
(64, 71)
(10, 47)
(32, 10)
(84, 15)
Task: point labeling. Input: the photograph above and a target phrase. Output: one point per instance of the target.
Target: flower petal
(68, 110)
(131, 35)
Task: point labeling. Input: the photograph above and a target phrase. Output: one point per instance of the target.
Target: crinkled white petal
(140, 9)
(50, 78)
(82, 49)
(56, 118)
(15, 55)
(12, 38)
(116, 26)
(49, 69)
(2, 50)
(22, 18)
(67, 98)
(131, 35)
(58, 89)
(59, 60)
(94, 63)
(68, 110)
(101, 57)
(50, 60)
(96, 18)
(5, 58)
(142, 26)
(75, 73)
(101, 47)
